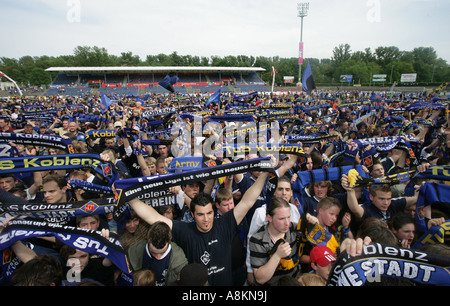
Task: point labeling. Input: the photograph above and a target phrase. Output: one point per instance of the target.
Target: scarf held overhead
(58, 210)
(128, 189)
(231, 150)
(54, 162)
(51, 141)
(86, 240)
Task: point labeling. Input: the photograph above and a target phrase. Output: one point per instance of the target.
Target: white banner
(288, 79)
(379, 77)
(408, 77)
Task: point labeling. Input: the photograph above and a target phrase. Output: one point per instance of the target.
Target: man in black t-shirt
(207, 240)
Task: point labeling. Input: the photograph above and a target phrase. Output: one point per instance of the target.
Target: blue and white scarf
(379, 260)
(86, 240)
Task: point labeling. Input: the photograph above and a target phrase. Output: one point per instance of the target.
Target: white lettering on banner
(84, 242)
(406, 264)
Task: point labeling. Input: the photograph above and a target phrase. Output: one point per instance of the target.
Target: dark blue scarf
(232, 118)
(247, 98)
(158, 112)
(88, 186)
(58, 210)
(94, 134)
(54, 162)
(379, 260)
(51, 141)
(128, 189)
(86, 240)
(264, 149)
(430, 193)
(435, 234)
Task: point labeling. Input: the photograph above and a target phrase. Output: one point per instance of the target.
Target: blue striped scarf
(50, 141)
(60, 162)
(86, 240)
(378, 261)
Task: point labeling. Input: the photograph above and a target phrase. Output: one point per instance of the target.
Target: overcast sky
(221, 27)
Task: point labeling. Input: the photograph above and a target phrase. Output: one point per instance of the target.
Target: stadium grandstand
(142, 80)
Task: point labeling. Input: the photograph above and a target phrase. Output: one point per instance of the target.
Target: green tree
(128, 59)
(38, 77)
(85, 56)
(341, 53)
(385, 56)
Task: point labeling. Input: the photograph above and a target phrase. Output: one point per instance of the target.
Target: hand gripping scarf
(315, 234)
(319, 175)
(306, 233)
(286, 263)
(433, 172)
(435, 234)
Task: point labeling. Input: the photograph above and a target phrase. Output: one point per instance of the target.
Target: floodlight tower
(302, 9)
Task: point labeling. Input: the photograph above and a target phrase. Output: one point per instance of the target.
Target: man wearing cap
(322, 260)
(43, 129)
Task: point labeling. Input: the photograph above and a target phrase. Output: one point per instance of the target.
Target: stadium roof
(153, 69)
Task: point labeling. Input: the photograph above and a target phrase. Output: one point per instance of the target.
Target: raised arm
(249, 198)
(287, 165)
(352, 201)
(140, 158)
(24, 253)
(148, 213)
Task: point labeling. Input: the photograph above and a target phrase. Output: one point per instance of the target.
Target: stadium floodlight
(302, 9)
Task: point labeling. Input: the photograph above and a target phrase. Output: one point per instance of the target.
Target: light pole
(302, 12)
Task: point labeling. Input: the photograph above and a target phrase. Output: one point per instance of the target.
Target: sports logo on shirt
(205, 258)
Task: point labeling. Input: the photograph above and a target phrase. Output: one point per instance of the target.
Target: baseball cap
(118, 124)
(321, 255)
